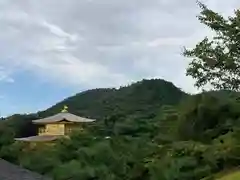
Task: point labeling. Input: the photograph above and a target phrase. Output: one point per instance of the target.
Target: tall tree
(216, 61)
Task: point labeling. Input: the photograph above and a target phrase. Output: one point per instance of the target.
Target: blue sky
(29, 94)
(50, 50)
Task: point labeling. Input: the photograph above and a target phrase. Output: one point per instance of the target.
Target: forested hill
(140, 100)
(143, 98)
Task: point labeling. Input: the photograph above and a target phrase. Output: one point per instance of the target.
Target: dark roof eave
(10, 171)
(52, 122)
(63, 116)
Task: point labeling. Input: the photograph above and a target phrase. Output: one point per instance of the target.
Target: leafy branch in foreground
(216, 61)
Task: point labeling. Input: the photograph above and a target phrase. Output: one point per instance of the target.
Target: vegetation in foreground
(232, 176)
(157, 132)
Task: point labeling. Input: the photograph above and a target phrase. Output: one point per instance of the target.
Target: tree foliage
(216, 61)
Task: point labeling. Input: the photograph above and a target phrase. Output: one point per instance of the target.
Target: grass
(232, 176)
(228, 174)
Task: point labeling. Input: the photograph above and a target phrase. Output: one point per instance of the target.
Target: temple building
(58, 125)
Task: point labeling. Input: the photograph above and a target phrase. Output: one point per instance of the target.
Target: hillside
(141, 99)
(193, 139)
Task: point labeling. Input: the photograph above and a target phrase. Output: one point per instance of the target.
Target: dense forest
(157, 132)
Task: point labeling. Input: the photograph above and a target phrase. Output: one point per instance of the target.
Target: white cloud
(56, 30)
(5, 76)
(100, 43)
(171, 41)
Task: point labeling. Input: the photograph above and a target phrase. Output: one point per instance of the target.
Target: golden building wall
(53, 129)
(69, 128)
(58, 129)
(41, 130)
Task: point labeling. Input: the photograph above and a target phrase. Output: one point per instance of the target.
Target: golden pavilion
(56, 126)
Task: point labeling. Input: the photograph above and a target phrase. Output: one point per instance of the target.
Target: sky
(52, 49)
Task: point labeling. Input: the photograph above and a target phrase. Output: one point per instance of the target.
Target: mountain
(140, 100)
(153, 136)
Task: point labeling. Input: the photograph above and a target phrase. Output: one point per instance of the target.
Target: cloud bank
(101, 43)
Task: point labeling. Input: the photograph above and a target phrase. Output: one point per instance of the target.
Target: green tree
(216, 61)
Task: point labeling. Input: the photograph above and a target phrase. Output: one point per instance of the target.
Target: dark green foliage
(216, 61)
(125, 115)
(19, 125)
(149, 149)
(204, 117)
(11, 152)
(111, 107)
(189, 140)
(139, 100)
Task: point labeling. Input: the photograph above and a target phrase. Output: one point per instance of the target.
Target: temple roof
(61, 117)
(10, 171)
(42, 138)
